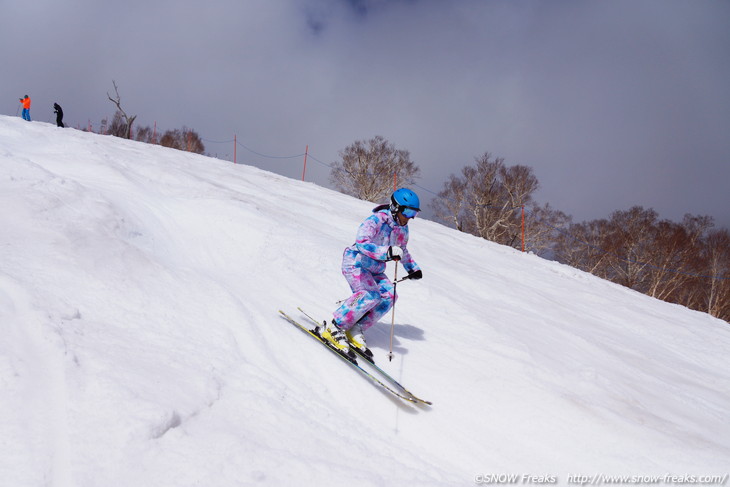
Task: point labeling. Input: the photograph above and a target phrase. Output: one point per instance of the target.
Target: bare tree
(581, 247)
(685, 263)
(629, 239)
(487, 199)
(450, 204)
(676, 261)
(128, 121)
(118, 126)
(543, 227)
(716, 253)
(144, 134)
(186, 140)
(368, 168)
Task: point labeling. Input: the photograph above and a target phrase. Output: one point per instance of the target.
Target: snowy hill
(141, 345)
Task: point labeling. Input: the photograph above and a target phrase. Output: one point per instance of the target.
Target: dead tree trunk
(127, 119)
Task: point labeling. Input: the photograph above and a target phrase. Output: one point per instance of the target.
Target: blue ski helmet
(404, 199)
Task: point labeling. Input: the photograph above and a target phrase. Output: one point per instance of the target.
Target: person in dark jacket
(59, 114)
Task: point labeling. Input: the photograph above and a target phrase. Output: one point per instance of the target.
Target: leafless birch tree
(487, 199)
(128, 120)
(368, 169)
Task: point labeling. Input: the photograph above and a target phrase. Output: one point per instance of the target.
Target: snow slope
(141, 345)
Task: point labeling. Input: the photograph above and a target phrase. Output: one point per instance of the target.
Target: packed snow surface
(142, 346)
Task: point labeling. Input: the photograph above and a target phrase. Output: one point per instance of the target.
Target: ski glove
(415, 275)
(395, 253)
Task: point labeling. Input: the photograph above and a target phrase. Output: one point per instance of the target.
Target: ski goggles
(409, 212)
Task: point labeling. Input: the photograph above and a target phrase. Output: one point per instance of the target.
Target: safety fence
(307, 156)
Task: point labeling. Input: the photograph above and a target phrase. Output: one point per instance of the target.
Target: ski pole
(392, 321)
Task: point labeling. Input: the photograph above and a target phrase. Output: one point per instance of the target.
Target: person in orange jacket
(26, 107)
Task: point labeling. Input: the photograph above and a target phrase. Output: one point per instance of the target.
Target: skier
(59, 114)
(382, 237)
(26, 107)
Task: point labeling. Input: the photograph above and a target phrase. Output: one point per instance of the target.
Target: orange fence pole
(304, 170)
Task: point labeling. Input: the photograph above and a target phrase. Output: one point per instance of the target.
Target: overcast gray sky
(613, 103)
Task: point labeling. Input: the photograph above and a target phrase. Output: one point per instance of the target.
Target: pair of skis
(388, 383)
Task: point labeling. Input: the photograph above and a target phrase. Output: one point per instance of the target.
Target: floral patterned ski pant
(373, 296)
